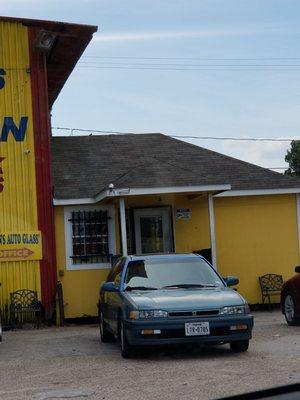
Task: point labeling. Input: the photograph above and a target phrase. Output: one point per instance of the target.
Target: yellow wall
(80, 288)
(256, 235)
(18, 208)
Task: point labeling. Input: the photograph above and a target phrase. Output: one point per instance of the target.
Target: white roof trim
(124, 192)
(72, 202)
(257, 192)
(170, 189)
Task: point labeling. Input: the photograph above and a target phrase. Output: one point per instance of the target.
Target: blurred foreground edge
(288, 392)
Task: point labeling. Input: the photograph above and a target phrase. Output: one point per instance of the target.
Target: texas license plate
(197, 328)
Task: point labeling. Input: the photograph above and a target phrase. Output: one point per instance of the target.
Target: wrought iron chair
(25, 307)
(270, 285)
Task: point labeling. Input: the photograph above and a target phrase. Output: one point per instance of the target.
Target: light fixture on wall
(44, 41)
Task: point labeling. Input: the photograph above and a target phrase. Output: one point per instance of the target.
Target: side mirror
(109, 287)
(231, 280)
(297, 269)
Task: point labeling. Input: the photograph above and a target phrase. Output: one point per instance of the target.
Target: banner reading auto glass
(20, 246)
(20, 239)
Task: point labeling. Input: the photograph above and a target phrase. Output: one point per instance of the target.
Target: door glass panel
(152, 238)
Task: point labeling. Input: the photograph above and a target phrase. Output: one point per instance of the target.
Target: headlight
(235, 310)
(148, 314)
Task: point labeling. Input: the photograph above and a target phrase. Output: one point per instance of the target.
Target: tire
(105, 335)
(289, 309)
(239, 346)
(127, 350)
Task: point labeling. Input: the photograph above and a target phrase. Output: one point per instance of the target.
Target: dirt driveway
(55, 363)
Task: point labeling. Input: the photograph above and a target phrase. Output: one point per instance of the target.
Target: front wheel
(239, 346)
(126, 348)
(105, 335)
(289, 309)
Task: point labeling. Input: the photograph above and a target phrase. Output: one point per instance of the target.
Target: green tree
(293, 159)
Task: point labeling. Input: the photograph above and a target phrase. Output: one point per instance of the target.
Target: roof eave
(258, 192)
(125, 192)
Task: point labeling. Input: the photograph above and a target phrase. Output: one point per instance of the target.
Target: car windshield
(173, 273)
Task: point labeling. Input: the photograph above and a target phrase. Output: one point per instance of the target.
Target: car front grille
(196, 313)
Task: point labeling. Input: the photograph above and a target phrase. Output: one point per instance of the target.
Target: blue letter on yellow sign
(17, 132)
(2, 81)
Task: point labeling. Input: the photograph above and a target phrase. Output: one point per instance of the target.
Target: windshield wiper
(129, 288)
(189, 285)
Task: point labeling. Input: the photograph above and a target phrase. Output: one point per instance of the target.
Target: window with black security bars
(90, 240)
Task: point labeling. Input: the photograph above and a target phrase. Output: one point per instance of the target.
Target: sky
(183, 67)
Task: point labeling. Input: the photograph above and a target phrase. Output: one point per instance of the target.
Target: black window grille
(90, 240)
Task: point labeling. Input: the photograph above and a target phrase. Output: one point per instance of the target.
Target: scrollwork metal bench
(25, 307)
(270, 285)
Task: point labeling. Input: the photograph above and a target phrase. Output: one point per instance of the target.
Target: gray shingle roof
(83, 166)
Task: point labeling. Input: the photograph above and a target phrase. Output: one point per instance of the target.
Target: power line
(95, 63)
(281, 168)
(224, 138)
(187, 69)
(160, 63)
(194, 58)
(235, 138)
(185, 65)
(104, 63)
(72, 130)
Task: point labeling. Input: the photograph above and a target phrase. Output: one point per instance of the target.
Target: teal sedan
(171, 299)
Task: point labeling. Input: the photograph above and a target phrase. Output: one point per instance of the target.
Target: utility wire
(72, 130)
(235, 138)
(95, 63)
(188, 69)
(277, 168)
(160, 63)
(194, 58)
(249, 139)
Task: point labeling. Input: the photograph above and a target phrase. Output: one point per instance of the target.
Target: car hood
(185, 299)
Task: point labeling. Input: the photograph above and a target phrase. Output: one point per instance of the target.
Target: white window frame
(68, 236)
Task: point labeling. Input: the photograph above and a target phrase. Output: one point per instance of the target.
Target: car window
(159, 273)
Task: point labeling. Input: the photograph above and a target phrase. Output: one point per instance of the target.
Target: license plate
(197, 329)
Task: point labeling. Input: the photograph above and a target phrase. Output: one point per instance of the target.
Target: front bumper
(173, 330)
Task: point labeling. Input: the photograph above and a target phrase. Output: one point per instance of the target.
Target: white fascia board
(170, 189)
(72, 202)
(258, 192)
(88, 200)
(124, 192)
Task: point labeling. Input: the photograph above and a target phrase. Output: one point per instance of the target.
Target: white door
(153, 230)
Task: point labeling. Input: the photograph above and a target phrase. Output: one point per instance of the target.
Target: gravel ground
(70, 362)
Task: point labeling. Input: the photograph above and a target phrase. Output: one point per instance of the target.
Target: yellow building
(135, 194)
